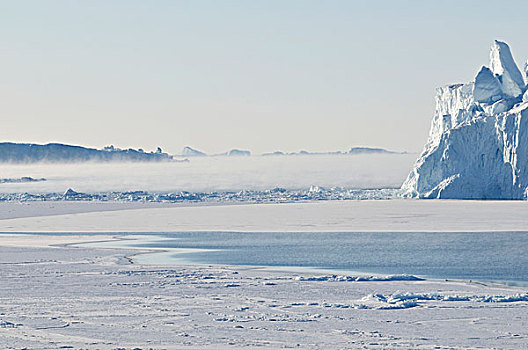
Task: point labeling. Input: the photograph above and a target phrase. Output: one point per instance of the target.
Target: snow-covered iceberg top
(478, 142)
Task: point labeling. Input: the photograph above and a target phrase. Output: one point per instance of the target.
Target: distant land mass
(11, 152)
(58, 153)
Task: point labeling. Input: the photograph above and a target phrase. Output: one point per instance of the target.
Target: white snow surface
(478, 143)
(403, 215)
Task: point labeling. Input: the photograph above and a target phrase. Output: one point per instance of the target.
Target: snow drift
(478, 142)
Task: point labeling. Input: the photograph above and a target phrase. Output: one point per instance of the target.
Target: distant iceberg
(478, 142)
(352, 151)
(238, 153)
(369, 150)
(191, 152)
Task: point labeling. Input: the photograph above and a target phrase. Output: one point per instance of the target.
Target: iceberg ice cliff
(478, 142)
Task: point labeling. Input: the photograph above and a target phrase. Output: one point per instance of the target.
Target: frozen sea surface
(483, 256)
(74, 298)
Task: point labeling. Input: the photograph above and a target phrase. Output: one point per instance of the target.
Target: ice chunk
(487, 87)
(500, 107)
(70, 193)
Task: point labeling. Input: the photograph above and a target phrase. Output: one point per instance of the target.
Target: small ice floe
(338, 278)
(7, 324)
(232, 285)
(297, 304)
(477, 298)
(381, 302)
(407, 300)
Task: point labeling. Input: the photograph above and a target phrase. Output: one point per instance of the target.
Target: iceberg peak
(504, 67)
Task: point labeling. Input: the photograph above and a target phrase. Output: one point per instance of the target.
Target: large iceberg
(478, 142)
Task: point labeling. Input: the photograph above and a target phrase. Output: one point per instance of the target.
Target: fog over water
(215, 174)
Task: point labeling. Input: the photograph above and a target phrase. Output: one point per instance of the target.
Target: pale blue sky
(258, 75)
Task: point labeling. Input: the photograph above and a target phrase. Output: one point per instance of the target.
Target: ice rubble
(478, 142)
(338, 278)
(276, 195)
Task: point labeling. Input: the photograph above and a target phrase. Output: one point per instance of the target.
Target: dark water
(484, 256)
